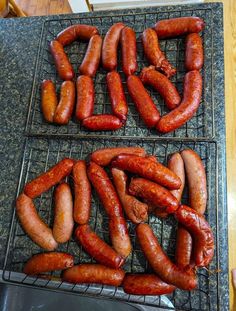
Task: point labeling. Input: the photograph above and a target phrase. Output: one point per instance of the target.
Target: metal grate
(201, 125)
(40, 154)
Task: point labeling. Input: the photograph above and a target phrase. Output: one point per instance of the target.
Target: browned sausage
(143, 102)
(85, 98)
(92, 57)
(49, 100)
(97, 248)
(117, 95)
(183, 248)
(63, 214)
(135, 210)
(146, 284)
(104, 156)
(46, 262)
(129, 51)
(189, 105)
(66, 104)
(50, 178)
(174, 27)
(102, 122)
(163, 85)
(93, 273)
(148, 169)
(33, 225)
(82, 192)
(154, 54)
(110, 45)
(61, 60)
(161, 263)
(79, 31)
(193, 52)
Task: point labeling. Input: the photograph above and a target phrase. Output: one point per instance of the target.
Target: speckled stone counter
(19, 41)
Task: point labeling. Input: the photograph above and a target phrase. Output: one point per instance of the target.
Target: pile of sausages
(139, 185)
(157, 75)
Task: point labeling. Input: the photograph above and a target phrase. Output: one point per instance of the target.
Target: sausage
(85, 97)
(143, 102)
(198, 227)
(49, 100)
(66, 104)
(92, 57)
(63, 214)
(196, 176)
(179, 26)
(117, 95)
(79, 31)
(50, 178)
(161, 263)
(102, 122)
(97, 248)
(145, 284)
(82, 193)
(193, 52)
(188, 106)
(162, 85)
(183, 248)
(157, 195)
(135, 210)
(46, 262)
(154, 54)
(93, 273)
(33, 225)
(129, 51)
(148, 169)
(104, 156)
(63, 65)
(110, 45)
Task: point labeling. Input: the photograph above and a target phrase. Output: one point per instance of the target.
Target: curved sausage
(162, 85)
(143, 102)
(63, 65)
(117, 95)
(148, 169)
(97, 248)
(93, 273)
(193, 52)
(63, 214)
(154, 54)
(102, 122)
(46, 262)
(92, 57)
(129, 51)
(66, 104)
(79, 31)
(82, 193)
(110, 45)
(196, 224)
(135, 210)
(157, 195)
(50, 178)
(33, 225)
(189, 104)
(183, 248)
(161, 263)
(104, 156)
(85, 98)
(179, 26)
(48, 99)
(146, 284)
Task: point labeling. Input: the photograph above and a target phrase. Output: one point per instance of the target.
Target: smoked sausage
(85, 98)
(193, 52)
(129, 51)
(102, 122)
(48, 99)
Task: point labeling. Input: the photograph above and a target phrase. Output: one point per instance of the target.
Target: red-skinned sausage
(193, 52)
(85, 98)
(102, 122)
(129, 51)
(143, 102)
(48, 99)
(187, 108)
(183, 250)
(162, 85)
(46, 262)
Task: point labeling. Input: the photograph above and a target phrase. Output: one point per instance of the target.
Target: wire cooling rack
(201, 125)
(42, 153)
